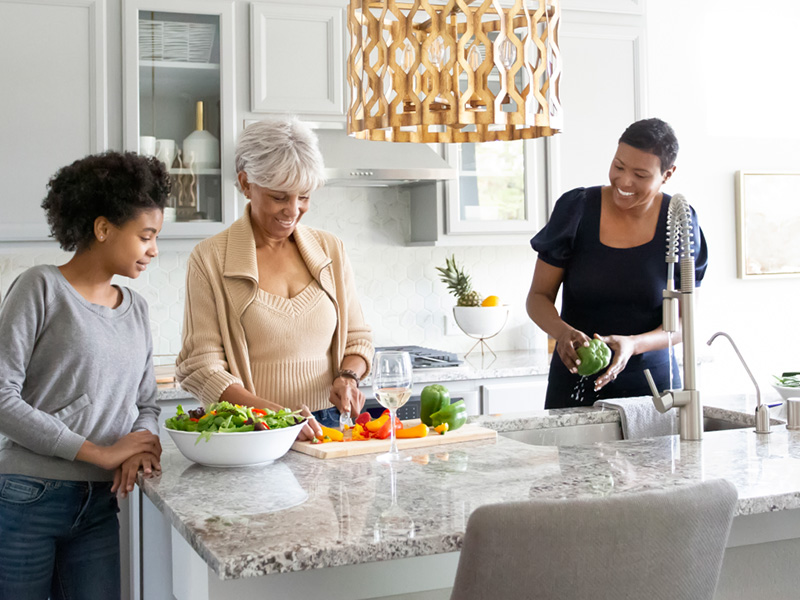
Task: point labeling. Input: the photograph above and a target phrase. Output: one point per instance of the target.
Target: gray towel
(640, 419)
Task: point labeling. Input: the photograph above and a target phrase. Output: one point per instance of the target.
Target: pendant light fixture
(453, 70)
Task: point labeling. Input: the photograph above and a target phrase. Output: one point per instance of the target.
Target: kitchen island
(302, 527)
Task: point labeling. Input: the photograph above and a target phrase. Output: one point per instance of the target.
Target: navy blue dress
(609, 291)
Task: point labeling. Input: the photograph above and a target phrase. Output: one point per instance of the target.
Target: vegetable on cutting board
(432, 399)
(455, 415)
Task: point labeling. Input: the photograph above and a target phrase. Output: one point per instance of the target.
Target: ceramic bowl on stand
(481, 323)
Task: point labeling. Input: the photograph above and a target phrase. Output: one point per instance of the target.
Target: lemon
(491, 301)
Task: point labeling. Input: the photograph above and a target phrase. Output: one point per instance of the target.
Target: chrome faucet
(687, 400)
(762, 410)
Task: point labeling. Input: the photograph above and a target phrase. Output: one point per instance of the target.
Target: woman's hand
(111, 457)
(567, 345)
(311, 429)
(623, 348)
(346, 396)
(125, 475)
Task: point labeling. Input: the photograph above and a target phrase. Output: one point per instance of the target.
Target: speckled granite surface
(303, 513)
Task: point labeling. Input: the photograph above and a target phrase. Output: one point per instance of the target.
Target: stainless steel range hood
(353, 162)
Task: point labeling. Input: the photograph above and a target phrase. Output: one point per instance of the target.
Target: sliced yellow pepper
(334, 434)
(375, 425)
(441, 429)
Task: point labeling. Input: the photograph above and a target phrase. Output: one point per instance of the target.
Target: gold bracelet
(350, 374)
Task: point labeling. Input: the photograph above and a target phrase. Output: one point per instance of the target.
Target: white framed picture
(768, 224)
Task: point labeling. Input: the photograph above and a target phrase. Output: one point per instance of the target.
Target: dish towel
(640, 419)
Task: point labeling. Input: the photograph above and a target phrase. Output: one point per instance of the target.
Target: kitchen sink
(712, 424)
(567, 436)
(599, 432)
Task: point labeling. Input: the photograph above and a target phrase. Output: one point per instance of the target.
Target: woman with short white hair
(272, 319)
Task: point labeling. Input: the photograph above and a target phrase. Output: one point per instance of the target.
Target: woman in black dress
(606, 246)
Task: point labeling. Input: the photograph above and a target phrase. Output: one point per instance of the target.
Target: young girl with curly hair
(78, 413)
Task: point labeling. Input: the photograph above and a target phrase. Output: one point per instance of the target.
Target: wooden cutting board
(467, 433)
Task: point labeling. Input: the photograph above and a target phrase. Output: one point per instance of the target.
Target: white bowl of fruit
(476, 316)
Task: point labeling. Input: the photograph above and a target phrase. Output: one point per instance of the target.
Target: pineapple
(459, 284)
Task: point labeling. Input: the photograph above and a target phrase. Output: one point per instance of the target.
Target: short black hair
(654, 136)
(114, 185)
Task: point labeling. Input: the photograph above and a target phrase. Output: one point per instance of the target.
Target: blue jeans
(329, 417)
(58, 539)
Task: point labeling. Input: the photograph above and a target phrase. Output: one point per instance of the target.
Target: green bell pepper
(594, 357)
(433, 399)
(455, 415)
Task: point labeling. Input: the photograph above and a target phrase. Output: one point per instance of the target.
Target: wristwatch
(350, 374)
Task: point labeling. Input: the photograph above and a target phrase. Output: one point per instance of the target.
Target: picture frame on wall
(768, 224)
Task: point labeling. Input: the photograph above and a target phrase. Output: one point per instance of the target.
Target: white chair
(641, 546)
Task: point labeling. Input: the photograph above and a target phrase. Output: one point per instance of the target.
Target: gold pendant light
(453, 70)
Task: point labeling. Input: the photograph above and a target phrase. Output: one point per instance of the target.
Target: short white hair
(281, 154)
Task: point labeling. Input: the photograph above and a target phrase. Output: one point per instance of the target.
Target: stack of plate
(176, 41)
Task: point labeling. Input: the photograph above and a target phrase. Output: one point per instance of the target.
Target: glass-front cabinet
(179, 107)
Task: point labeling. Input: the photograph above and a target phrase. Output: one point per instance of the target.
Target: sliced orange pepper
(418, 431)
(442, 429)
(334, 434)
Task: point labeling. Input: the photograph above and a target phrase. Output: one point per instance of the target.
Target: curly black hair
(654, 136)
(114, 185)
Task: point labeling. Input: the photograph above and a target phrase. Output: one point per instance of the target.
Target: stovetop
(425, 358)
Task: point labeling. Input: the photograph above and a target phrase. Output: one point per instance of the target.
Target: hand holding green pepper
(594, 357)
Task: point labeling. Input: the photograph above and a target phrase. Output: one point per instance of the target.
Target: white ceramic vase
(201, 148)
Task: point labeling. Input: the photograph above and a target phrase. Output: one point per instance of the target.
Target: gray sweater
(70, 371)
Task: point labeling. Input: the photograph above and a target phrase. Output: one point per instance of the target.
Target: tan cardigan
(222, 281)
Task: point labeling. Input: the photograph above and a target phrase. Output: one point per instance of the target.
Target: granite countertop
(303, 513)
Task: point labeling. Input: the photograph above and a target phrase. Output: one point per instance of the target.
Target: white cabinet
(297, 58)
(498, 197)
(178, 87)
(602, 92)
(54, 101)
(517, 395)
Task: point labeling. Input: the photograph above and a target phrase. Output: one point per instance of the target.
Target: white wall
(721, 72)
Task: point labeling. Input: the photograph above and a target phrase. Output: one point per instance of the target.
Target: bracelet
(350, 374)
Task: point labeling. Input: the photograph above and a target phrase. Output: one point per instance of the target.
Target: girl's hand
(346, 396)
(567, 346)
(311, 429)
(111, 457)
(125, 475)
(623, 348)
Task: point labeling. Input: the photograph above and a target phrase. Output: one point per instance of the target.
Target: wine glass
(391, 382)
(394, 522)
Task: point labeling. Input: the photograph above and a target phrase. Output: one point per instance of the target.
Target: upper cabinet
(54, 102)
(602, 92)
(498, 196)
(178, 95)
(297, 58)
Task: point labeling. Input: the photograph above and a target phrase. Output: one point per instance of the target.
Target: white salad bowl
(787, 392)
(236, 449)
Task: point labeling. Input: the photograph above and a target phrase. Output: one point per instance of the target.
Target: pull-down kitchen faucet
(679, 231)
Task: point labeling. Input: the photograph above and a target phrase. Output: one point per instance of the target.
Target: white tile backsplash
(398, 285)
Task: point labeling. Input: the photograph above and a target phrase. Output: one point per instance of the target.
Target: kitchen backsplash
(398, 285)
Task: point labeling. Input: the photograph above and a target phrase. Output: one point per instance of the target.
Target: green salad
(224, 417)
(791, 380)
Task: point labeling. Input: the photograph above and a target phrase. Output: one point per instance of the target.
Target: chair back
(641, 546)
